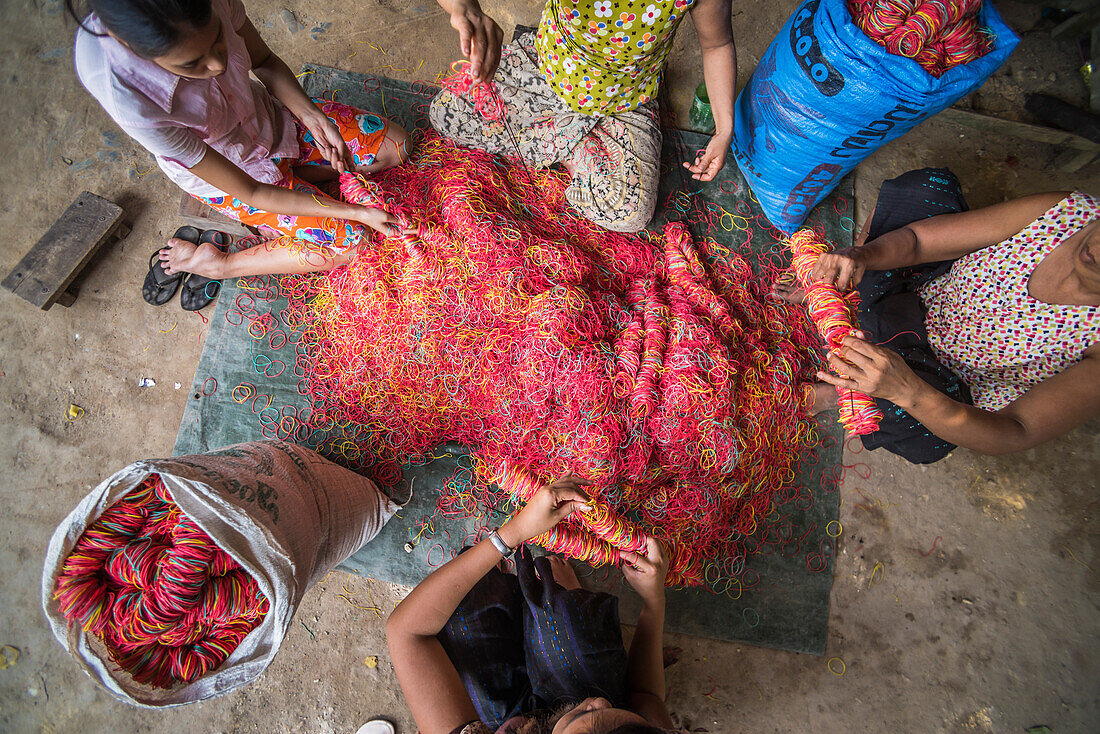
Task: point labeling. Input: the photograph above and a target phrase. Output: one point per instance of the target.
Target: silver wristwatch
(500, 545)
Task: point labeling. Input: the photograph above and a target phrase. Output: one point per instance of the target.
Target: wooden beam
(1070, 160)
(1094, 76)
(45, 275)
(197, 214)
(1077, 5)
(1025, 130)
(1079, 26)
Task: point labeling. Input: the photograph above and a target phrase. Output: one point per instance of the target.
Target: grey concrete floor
(980, 617)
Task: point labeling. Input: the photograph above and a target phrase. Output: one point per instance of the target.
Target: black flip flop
(159, 286)
(198, 290)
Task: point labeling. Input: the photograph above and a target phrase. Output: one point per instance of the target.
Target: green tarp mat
(246, 389)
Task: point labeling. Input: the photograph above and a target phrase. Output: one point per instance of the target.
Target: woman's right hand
(842, 268)
(546, 508)
(646, 574)
(378, 219)
(479, 38)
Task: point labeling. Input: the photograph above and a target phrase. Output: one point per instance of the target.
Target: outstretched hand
(549, 506)
(710, 160)
(646, 574)
(380, 220)
(872, 370)
(479, 38)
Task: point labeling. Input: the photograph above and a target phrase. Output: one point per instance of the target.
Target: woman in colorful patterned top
(989, 320)
(477, 650)
(580, 92)
(174, 75)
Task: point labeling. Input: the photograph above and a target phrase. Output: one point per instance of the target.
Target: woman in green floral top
(580, 92)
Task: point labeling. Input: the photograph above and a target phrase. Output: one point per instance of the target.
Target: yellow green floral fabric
(607, 56)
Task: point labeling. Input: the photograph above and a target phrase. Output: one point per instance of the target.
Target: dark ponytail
(150, 28)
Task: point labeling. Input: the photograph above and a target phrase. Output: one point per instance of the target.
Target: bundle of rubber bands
(482, 95)
(167, 603)
(835, 315)
(595, 536)
(656, 367)
(937, 34)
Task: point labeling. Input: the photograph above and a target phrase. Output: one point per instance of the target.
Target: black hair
(150, 28)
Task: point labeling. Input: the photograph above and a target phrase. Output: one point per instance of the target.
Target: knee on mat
(619, 220)
(400, 138)
(394, 149)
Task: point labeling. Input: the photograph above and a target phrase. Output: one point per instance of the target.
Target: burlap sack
(286, 514)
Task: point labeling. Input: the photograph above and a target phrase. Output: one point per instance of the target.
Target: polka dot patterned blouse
(985, 325)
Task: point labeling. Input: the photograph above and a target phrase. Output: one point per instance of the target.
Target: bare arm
(945, 237)
(712, 25)
(219, 172)
(479, 36)
(645, 662)
(432, 687)
(1048, 410)
(273, 72)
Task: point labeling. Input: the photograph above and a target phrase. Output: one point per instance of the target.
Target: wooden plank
(1077, 5)
(1078, 26)
(1094, 75)
(197, 214)
(1071, 160)
(998, 126)
(44, 273)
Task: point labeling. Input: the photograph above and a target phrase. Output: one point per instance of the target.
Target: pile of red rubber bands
(654, 366)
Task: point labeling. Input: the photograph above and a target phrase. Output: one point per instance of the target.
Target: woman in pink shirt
(174, 74)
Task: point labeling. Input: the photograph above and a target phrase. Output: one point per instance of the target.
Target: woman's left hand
(546, 508)
(872, 370)
(330, 143)
(710, 161)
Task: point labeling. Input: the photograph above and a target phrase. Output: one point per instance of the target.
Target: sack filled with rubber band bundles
(844, 77)
(175, 580)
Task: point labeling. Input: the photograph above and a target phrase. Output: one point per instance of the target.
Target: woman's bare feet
(819, 397)
(181, 256)
(563, 573)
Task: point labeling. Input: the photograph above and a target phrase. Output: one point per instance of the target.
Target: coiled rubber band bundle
(937, 34)
(596, 537)
(834, 314)
(168, 604)
(483, 96)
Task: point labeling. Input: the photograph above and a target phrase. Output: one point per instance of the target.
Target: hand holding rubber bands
(482, 94)
(358, 190)
(834, 314)
(548, 505)
(594, 534)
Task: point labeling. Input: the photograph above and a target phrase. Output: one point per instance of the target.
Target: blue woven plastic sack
(825, 96)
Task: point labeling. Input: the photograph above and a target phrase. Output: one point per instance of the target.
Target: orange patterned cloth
(363, 133)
